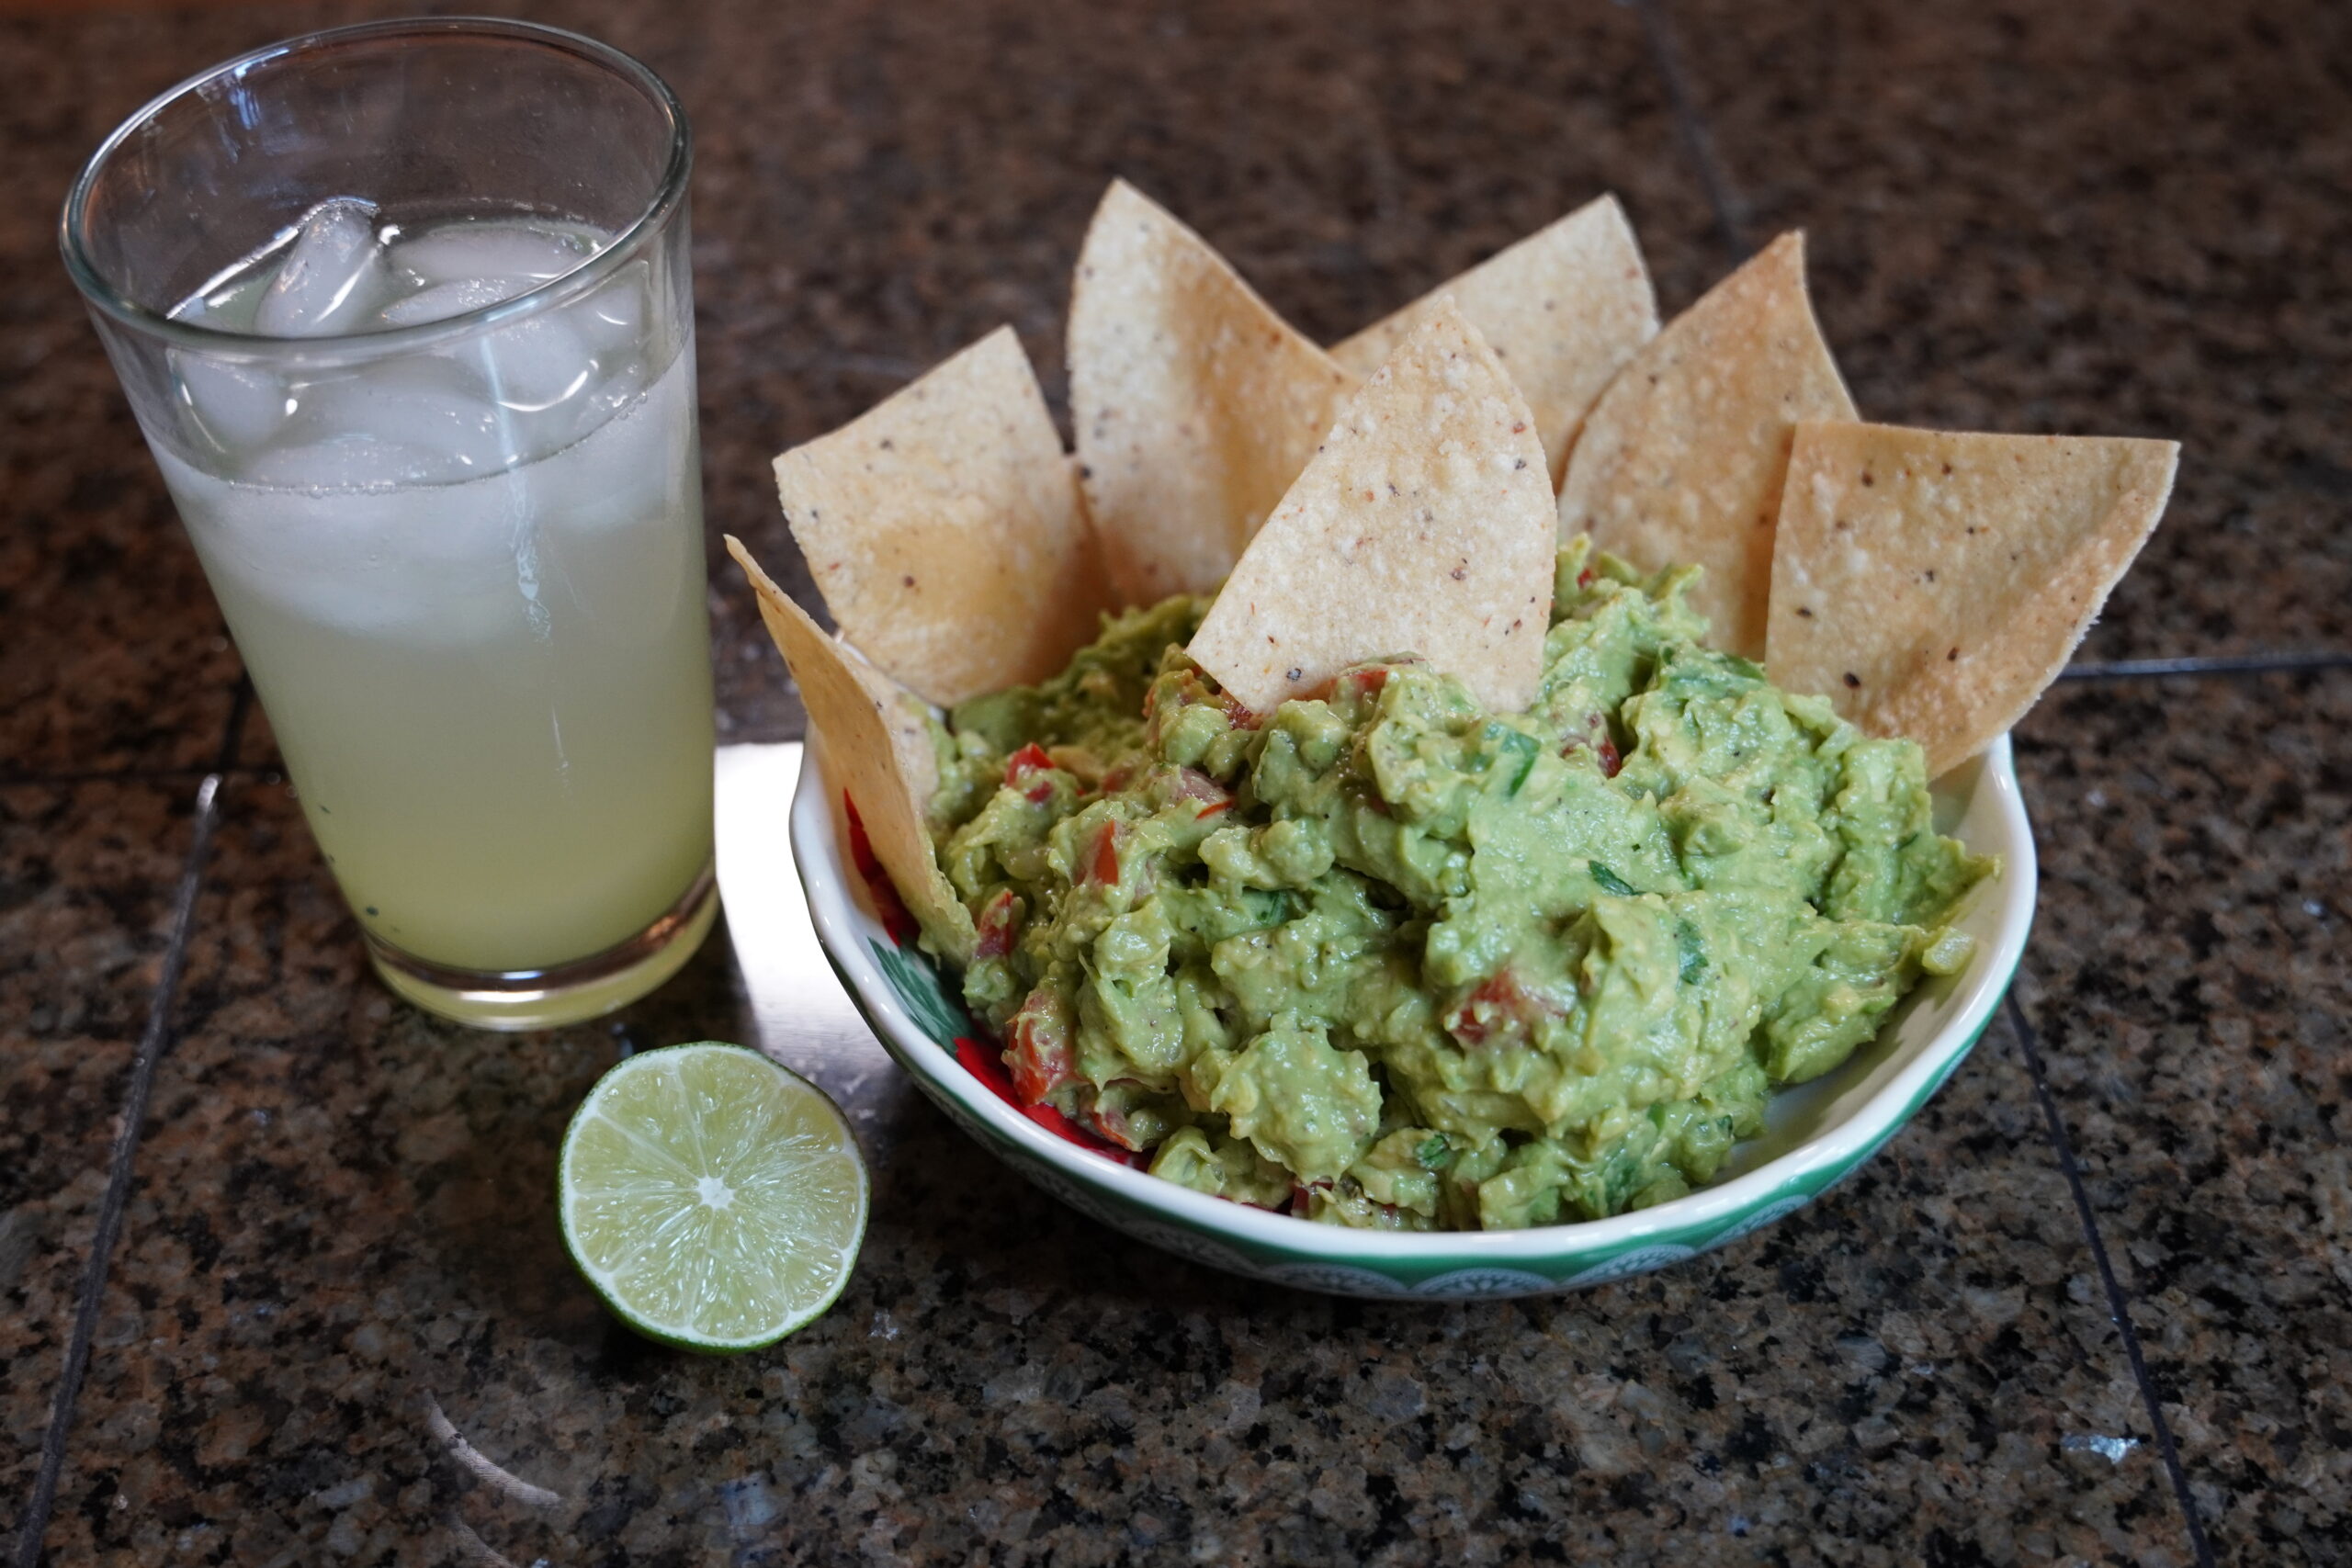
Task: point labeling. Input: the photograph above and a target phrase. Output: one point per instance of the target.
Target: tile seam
(2221, 664)
(153, 1040)
(2118, 1301)
(1699, 145)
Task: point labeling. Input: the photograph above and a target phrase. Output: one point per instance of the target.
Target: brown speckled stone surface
(338, 1251)
(86, 880)
(2192, 973)
(2100, 217)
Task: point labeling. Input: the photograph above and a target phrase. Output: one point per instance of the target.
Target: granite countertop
(336, 1324)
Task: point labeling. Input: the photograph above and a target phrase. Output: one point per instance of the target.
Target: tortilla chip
(1932, 584)
(1682, 459)
(945, 531)
(1564, 309)
(876, 747)
(1196, 406)
(1424, 525)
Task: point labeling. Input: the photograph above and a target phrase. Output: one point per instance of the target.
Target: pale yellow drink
(493, 691)
(505, 770)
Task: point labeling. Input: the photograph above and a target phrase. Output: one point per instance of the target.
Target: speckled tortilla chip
(1424, 525)
(1682, 459)
(878, 749)
(1194, 405)
(945, 530)
(1564, 309)
(1932, 584)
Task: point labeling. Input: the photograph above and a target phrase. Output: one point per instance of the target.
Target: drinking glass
(455, 524)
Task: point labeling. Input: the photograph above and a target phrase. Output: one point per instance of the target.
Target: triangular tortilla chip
(1193, 403)
(1932, 584)
(943, 529)
(1683, 458)
(875, 742)
(1424, 525)
(1563, 307)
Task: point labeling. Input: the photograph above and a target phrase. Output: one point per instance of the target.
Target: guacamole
(1385, 959)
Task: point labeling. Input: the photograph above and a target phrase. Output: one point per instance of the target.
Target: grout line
(126, 1144)
(152, 1042)
(1697, 140)
(2215, 664)
(2118, 1304)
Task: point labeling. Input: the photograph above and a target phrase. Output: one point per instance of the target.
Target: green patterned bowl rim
(917, 1016)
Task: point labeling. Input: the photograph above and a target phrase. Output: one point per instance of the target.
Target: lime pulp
(715, 1199)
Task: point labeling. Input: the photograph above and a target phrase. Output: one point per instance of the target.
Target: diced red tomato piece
(1301, 1196)
(1586, 578)
(1111, 1122)
(887, 903)
(1498, 1007)
(1030, 758)
(1194, 784)
(999, 924)
(1037, 1048)
(981, 1062)
(1025, 771)
(1604, 748)
(1190, 689)
(1103, 859)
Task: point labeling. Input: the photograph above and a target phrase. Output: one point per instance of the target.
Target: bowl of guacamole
(1385, 993)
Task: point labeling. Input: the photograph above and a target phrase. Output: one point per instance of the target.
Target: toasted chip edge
(891, 774)
(1976, 711)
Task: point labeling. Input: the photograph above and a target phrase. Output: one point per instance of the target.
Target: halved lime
(715, 1199)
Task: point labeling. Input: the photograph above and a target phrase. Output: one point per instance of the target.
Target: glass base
(567, 993)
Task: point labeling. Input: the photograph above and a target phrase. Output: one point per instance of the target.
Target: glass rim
(625, 246)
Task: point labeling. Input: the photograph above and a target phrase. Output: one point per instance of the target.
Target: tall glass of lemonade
(406, 314)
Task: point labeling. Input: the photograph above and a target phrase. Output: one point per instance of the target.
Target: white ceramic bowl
(1815, 1134)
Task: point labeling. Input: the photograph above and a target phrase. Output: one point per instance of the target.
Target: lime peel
(713, 1198)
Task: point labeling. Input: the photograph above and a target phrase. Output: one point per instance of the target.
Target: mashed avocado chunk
(1392, 960)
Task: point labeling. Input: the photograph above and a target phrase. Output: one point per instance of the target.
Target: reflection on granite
(2193, 981)
(2036, 217)
(86, 876)
(340, 1325)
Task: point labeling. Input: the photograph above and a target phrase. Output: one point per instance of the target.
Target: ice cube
(534, 365)
(333, 280)
(612, 320)
(234, 407)
(439, 301)
(528, 367)
(462, 251)
(423, 410)
(633, 466)
(423, 565)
